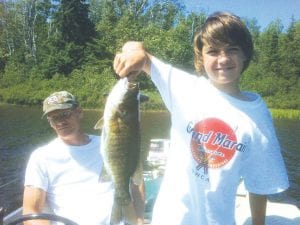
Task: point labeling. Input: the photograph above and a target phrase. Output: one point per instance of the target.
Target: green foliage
(284, 113)
(88, 85)
(47, 46)
(15, 73)
(73, 22)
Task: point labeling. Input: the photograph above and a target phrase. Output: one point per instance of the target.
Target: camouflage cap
(59, 100)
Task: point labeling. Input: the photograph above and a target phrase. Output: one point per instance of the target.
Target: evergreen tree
(73, 30)
(72, 20)
(269, 48)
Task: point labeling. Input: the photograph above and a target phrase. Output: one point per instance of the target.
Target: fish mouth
(132, 85)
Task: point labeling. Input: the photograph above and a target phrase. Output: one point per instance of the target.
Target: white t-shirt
(70, 176)
(215, 141)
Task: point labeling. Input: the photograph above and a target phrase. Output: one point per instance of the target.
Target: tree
(73, 23)
(3, 51)
(72, 31)
(163, 14)
(269, 48)
(290, 51)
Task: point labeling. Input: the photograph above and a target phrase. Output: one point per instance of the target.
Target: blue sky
(265, 11)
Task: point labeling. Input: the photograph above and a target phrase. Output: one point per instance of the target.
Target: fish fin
(143, 98)
(99, 124)
(125, 213)
(104, 176)
(137, 177)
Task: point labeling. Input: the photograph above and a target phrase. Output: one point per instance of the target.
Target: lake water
(22, 130)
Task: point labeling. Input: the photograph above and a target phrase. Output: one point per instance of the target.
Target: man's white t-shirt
(215, 141)
(70, 176)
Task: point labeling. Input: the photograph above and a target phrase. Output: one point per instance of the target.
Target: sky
(265, 11)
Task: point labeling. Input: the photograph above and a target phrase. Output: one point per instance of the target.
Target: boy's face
(223, 65)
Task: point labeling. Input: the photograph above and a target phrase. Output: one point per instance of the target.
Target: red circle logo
(213, 143)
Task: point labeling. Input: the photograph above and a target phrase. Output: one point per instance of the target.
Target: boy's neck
(233, 91)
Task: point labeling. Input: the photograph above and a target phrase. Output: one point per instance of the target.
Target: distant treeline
(50, 45)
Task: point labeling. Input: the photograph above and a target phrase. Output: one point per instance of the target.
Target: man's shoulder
(47, 146)
(94, 138)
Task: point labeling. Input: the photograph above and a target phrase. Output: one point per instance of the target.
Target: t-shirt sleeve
(264, 170)
(36, 174)
(160, 75)
(172, 83)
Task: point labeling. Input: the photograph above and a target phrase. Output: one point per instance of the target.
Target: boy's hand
(132, 59)
(133, 46)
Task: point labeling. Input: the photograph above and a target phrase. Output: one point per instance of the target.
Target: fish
(120, 147)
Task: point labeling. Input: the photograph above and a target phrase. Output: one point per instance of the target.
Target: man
(63, 175)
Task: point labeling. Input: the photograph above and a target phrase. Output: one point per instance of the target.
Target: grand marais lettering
(218, 139)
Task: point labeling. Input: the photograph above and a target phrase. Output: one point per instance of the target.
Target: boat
(158, 152)
(277, 213)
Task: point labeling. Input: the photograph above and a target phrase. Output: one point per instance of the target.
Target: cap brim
(57, 107)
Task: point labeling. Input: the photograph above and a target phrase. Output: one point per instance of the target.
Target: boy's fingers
(132, 46)
(120, 65)
(116, 61)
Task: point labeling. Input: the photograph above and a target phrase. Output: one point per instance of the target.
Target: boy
(219, 133)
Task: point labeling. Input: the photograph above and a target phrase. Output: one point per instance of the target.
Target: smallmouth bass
(120, 146)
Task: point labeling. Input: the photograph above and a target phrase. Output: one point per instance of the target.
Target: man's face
(65, 122)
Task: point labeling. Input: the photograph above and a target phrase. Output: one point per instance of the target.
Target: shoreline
(276, 113)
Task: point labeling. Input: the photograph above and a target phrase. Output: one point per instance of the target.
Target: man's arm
(33, 202)
(258, 205)
(138, 195)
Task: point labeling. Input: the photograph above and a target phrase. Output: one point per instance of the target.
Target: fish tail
(116, 214)
(130, 214)
(125, 213)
